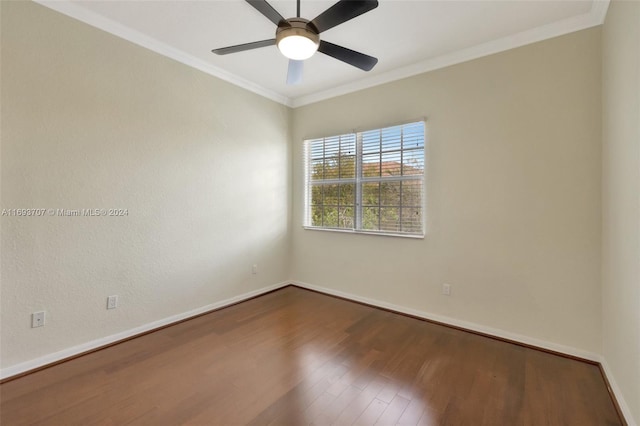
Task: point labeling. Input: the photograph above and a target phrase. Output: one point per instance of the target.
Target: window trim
(359, 180)
(364, 232)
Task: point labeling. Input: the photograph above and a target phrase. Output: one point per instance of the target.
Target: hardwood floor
(295, 357)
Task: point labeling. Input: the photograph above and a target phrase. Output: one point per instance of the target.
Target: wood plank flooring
(295, 357)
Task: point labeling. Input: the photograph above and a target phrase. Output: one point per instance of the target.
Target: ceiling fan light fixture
(297, 47)
(296, 41)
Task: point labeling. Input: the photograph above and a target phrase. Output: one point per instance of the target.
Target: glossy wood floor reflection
(295, 357)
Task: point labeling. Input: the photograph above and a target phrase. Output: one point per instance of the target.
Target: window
(369, 181)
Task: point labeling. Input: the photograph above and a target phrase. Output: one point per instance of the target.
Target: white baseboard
(520, 338)
(626, 412)
(97, 343)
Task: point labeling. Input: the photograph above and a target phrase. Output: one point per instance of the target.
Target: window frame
(359, 180)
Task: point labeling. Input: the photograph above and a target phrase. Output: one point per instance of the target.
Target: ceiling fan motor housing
(297, 27)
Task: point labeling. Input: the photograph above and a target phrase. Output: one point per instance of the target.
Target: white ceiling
(407, 36)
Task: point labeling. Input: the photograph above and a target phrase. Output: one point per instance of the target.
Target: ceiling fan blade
(294, 74)
(351, 57)
(245, 46)
(267, 10)
(341, 12)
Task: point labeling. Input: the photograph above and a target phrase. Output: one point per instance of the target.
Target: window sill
(349, 231)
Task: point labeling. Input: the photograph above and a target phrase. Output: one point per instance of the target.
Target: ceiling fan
(298, 38)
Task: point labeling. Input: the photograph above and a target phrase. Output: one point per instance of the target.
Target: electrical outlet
(112, 302)
(37, 319)
(254, 269)
(446, 289)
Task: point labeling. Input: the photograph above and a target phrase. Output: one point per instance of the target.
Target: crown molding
(80, 13)
(599, 10)
(593, 18)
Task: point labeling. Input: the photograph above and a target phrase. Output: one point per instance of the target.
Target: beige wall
(205, 171)
(621, 199)
(92, 121)
(513, 171)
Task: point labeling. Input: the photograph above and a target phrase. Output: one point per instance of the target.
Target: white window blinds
(369, 181)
